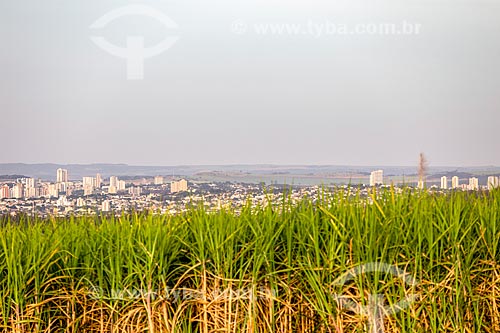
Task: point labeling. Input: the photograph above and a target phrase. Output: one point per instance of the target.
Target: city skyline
(94, 194)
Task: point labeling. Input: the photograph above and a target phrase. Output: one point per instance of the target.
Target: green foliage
(79, 274)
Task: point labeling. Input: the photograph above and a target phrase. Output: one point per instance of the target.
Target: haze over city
(220, 96)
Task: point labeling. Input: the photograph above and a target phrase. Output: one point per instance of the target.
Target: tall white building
(30, 182)
(493, 182)
(178, 186)
(455, 183)
(53, 191)
(30, 190)
(5, 192)
(377, 177)
(444, 182)
(135, 191)
(114, 185)
(62, 176)
(113, 181)
(18, 191)
(106, 206)
(98, 180)
(89, 181)
(473, 184)
(121, 185)
(158, 180)
(88, 185)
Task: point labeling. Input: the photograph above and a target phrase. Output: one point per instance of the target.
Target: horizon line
(252, 164)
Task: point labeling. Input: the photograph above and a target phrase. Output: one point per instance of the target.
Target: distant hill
(47, 171)
(11, 177)
(450, 174)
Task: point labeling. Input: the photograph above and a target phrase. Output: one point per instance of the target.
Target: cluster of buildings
(90, 185)
(32, 188)
(377, 178)
(473, 185)
(156, 196)
(95, 194)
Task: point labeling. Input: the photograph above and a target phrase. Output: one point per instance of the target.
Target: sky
(321, 89)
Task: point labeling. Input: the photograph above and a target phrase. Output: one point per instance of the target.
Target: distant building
(106, 206)
(178, 186)
(91, 181)
(88, 181)
(30, 182)
(98, 180)
(455, 183)
(62, 176)
(158, 180)
(53, 191)
(43, 191)
(80, 202)
(121, 185)
(61, 187)
(31, 192)
(18, 191)
(5, 192)
(88, 185)
(444, 182)
(493, 182)
(88, 190)
(473, 184)
(377, 177)
(113, 185)
(63, 201)
(135, 191)
(113, 181)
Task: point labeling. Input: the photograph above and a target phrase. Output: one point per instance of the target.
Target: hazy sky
(224, 96)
